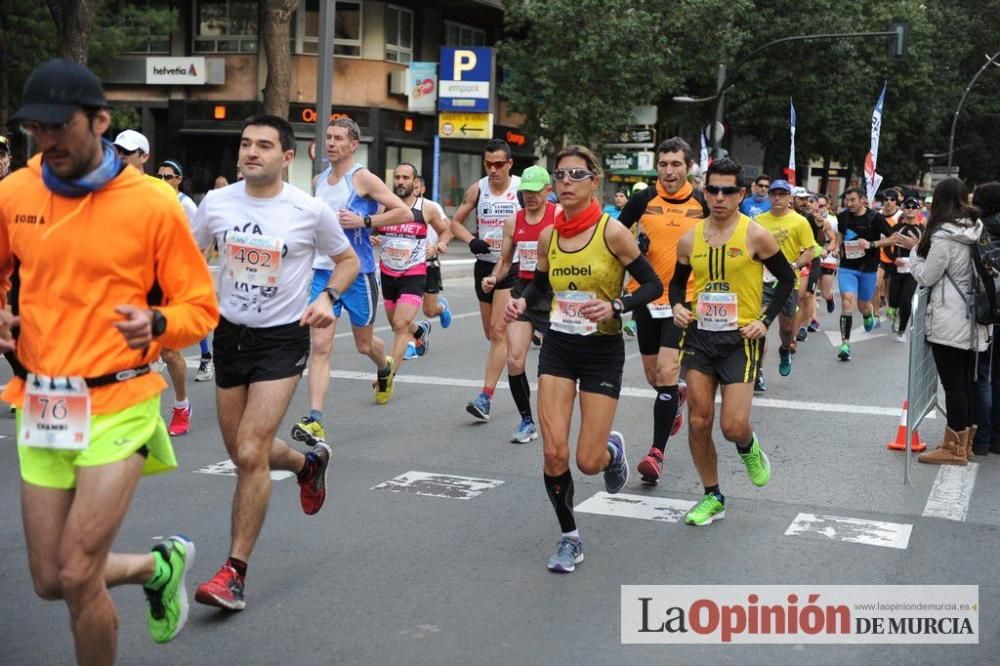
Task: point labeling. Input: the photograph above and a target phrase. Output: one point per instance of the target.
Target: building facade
(195, 116)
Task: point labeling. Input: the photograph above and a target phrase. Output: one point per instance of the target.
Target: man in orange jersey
(87, 239)
(663, 213)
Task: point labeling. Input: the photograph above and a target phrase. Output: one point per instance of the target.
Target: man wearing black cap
(91, 238)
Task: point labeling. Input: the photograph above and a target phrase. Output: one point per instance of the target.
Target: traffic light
(898, 43)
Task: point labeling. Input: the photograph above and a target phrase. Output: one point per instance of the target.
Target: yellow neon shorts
(113, 437)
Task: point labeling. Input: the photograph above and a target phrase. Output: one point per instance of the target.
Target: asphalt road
(384, 577)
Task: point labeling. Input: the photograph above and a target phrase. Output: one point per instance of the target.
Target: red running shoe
(180, 424)
(682, 391)
(649, 467)
(312, 486)
(223, 590)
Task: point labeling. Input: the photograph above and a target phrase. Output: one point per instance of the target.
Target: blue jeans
(988, 394)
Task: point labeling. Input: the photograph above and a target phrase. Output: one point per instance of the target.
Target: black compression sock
(846, 324)
(714, 490)
(664, 413)
(521, 391)
(239, 565)
(560, 491)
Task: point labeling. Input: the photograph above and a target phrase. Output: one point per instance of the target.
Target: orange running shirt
(76, 259)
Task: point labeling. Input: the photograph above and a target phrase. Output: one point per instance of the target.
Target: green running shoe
(757, 464)
(308, 430)
(707, 511)
(168, 604)
(844, 354)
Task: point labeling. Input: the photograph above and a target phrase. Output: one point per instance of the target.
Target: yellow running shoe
(383, 385)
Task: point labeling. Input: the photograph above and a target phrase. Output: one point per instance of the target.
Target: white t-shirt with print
(292, 220)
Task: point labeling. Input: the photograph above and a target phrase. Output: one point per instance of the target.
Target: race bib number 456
(566, 317)
(253, 259)
(56, 413)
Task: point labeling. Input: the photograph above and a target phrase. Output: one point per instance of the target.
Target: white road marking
(438, 485)
(227, 468)
(643, 507)
(952, 492)
(857, 335)
(851, 530)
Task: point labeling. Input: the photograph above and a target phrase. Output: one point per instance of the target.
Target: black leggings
(902, 286)
(957, 370)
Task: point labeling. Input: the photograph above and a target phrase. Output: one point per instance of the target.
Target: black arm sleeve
(538, 289)
(678, 284)
(783, 271)
(650, 286)
(636, 206)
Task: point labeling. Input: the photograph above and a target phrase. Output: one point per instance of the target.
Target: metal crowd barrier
(922, 377)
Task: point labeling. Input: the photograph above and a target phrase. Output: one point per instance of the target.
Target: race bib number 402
(566, 317)
(717, 312)
(253, 259)
(56, 413)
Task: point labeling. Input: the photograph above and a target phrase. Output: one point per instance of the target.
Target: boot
(970, 450)
(950, 452)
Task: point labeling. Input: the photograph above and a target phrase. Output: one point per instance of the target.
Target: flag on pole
(872, 179)
(791, 151)
(703, 158)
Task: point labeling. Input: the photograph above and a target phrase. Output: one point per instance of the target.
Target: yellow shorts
(113, 437)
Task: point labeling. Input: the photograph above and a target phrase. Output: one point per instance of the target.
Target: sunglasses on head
(575, 175)
(726, 190)
(495, 165)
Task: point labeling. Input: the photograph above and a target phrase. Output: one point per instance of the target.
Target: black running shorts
(652, 334)
(483, 269)
(245, 355)
(595, 361)
(537, 315)
(725, 355)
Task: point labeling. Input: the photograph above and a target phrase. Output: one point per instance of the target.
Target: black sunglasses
(911, 206)
(727, 190)
(167, 176)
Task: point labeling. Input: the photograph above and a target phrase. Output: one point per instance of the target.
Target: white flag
(872, 179)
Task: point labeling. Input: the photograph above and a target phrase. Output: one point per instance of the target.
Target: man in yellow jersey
(795, 237)
(87, 239)
(663, 214)
(724, 328)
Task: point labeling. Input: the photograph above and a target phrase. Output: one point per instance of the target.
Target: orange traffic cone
(900, 442)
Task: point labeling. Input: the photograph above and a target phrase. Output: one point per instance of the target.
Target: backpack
(986, 259)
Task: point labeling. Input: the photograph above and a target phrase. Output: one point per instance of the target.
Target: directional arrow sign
(465, 125)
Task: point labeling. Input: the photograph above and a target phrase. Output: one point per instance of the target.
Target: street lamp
(990, 60)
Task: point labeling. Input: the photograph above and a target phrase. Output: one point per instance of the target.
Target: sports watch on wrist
(368, 221)
(158, 323)
(617, 307)
(333, 294)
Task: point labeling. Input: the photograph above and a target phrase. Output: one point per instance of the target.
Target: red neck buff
(585, 219)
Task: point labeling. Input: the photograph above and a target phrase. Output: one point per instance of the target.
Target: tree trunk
(276, 35)
(74, 21)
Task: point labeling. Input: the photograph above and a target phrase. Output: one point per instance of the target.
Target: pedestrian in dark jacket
(987, 439)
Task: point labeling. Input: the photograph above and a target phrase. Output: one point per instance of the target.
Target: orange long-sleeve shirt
(77, 259)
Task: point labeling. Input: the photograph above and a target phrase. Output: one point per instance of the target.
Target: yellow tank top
(593, 271)
(721, 272)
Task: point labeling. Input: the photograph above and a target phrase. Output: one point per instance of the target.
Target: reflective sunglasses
(911, 206)
(167, 176)
(725, 190)
(575, 175)
(495, 165)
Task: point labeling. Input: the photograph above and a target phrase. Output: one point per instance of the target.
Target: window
(458, 171)
(346, 33)
(456, 34)
(226, 26)
(148, 24)
(398, 34)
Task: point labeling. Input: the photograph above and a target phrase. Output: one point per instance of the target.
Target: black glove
(643, 241)
(479, 246)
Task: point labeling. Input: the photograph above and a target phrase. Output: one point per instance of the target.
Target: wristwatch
(333, 294)
(368, 221)
(617, 307)
(159, 323)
